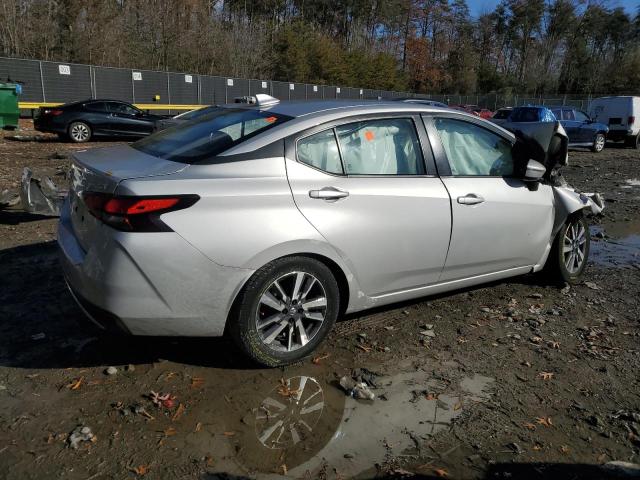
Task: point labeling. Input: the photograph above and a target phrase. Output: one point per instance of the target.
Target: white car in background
(622, 115)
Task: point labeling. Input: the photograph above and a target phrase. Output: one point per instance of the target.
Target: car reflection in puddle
(616, 245)
(304, 426)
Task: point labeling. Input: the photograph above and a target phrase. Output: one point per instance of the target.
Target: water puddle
(304, 427)
(620, 246)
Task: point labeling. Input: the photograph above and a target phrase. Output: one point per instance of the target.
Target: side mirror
(535, 171)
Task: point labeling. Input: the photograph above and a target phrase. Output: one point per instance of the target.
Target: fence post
(199, 91)
(44, 97)
(133, 87)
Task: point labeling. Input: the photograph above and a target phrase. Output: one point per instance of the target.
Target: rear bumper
(619, 135)
(147, 283)
(47, 126)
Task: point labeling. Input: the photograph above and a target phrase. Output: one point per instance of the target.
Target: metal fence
(53, 82)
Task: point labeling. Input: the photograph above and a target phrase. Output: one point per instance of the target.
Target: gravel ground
(516, 379)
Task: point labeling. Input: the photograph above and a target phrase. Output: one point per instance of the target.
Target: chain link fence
(54, 82)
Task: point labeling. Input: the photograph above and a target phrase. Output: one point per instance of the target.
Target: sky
(478, 7)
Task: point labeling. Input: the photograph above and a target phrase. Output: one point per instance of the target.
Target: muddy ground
(517, 379)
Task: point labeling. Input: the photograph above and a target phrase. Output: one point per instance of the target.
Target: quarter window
(320, 151)
(568, 115)
(474, 151)
(380, 147)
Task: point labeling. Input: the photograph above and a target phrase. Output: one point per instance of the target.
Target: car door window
(581, 117)
(473, 150)
(568, 115)
(557, 112)
(380, 147)
(320, 151)
(122, 108)
(97, 107)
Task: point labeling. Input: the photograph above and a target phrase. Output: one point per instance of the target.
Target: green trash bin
(9, 111)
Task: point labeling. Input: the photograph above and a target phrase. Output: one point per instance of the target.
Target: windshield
(532, 114)
(208, 135)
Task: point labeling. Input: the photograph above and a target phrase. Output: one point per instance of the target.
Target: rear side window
(474, 151)
(502, 114)
(208, 135)
(97, 107)
(320, 151)
(380, 147)
(568, 114)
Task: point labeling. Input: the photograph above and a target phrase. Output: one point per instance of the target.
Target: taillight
(631, 120)
(53, 112)
(135, 214)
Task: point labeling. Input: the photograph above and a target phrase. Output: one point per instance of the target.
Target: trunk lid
(101, 170)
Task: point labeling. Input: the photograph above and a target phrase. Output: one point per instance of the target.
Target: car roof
(305, 107)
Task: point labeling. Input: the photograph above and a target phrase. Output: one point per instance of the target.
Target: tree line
(425, 46)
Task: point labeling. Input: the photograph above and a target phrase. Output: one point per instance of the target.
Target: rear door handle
(470, 199)
(328, 193)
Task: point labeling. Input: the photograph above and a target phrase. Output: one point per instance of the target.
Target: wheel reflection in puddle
(289, 413)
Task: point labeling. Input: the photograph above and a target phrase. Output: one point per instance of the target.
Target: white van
(622, 115)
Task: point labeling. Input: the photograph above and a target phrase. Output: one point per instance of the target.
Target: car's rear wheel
(285, 310)
(633, 142)
(598, 143)
(79, 132)
(570, 251)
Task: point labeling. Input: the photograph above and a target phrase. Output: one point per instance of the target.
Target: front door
(498, 222)
(364, 188)
(126, 120)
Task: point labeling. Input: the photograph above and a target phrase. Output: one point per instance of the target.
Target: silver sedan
(266, 220)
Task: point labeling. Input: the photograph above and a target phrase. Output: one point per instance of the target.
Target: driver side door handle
(470, 199)
(328, 193)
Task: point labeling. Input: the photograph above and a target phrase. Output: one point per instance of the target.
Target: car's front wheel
(570, 251)
(79, 132)
(598, 143)
(285, 310)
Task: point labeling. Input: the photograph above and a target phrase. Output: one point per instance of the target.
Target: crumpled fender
(568, 201)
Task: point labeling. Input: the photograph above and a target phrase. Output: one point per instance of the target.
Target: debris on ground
(358, 390)
(164, 400)
(79, 435)
(38, 336)
(111, 371)
(40, 196)
(9, 199)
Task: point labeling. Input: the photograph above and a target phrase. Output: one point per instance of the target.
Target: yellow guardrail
(141, 106)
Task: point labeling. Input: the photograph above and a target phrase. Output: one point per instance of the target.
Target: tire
(79, 132)
(633, 142)
(273, 298)
(598, 143)
(574, 234)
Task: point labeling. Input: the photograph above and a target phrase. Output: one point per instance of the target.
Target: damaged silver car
(266, 220)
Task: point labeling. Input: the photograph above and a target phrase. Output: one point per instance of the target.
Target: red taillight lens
(631, 121)
(135, 214)
(53, 112)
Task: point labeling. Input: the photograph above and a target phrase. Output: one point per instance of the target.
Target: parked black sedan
(81, 121)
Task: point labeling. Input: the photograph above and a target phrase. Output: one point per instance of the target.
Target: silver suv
(268, 220)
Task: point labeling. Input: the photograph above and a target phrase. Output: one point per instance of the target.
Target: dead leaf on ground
(457, 406)
(140, 470)
(364, 348)
(537, 447)
(75, 385)
(554, 345)
(546, 375)
(319, 358)
(285, 390)
(564, 449)
(198, 426)
(529, 426)
(197, 382)
(229, 434)
(461, 340)
(284, 469)
(179, 412)
(546, 421)
(168, 432)
(441, 472)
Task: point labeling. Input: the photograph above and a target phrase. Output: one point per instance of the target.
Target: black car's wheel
(79, 132)
(285, 311)
(633, 142)
(598, 143)
(570, 250)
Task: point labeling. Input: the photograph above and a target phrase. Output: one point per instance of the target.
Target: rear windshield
(532, 114)
(502, 114)
(208, 135)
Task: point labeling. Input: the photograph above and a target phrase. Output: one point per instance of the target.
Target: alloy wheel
(574, 246)
(291, 311)
(79, 132)
(599, 143)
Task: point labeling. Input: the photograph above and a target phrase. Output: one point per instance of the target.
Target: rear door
(99, 117)
(571, 125)
(127, 120)
(365, 187)
(498, 222)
